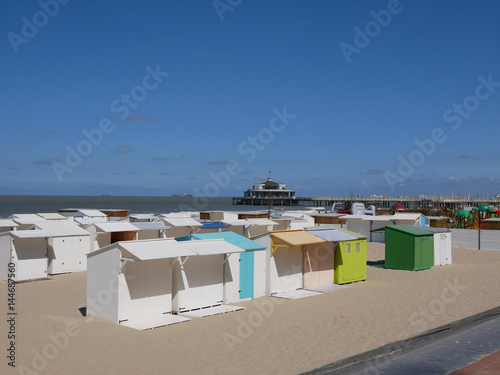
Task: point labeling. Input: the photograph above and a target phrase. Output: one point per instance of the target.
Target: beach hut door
(246, 274)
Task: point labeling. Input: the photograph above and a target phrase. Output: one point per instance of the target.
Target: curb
(358, 361)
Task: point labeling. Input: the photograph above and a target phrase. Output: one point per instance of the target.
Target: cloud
(124, 149)
(45, 161)
(374, 171)
(138, 118)
(161, 158)
(218, 162)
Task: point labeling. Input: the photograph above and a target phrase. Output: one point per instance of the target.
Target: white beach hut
(104, 234)
(260, 226)
(198, 281)
(25, 221)
(67, 247)
(6, 225)
(244, 274)
(364, 224)
(52, 216)
(130, 282)
(442, 244)
(91, 214)
(151, 230)
(284, 259)
(27, 251)
(239, 226)
(181, 226)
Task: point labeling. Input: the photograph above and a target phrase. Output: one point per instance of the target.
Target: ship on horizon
(182, 195)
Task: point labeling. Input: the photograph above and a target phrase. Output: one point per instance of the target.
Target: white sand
(296, 336)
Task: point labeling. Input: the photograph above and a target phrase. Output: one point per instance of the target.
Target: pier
(410, 202)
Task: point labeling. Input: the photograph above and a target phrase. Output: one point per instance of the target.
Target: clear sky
(203, 97)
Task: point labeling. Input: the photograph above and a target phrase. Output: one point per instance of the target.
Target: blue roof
(213, 225)
(233, 238)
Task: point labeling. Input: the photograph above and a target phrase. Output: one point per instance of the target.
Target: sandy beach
(272, 336)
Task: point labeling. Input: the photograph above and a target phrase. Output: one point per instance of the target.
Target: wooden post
(478, 231)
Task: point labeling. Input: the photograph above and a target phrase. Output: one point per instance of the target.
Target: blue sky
(336, 97)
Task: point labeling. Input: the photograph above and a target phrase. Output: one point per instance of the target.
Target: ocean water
(24, 204)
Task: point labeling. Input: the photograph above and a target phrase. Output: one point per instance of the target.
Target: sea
(26, 204)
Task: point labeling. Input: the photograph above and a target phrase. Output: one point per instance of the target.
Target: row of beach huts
(147, 270)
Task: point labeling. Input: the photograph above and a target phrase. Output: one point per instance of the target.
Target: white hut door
(37, 257)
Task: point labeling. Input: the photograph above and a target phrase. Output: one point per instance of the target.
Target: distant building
(269, 189)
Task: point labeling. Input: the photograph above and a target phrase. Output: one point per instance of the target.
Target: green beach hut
(408, 248)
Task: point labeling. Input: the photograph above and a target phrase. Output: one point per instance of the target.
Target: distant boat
(182, 195)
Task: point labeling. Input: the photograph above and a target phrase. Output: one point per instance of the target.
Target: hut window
(357, 247)
(348, 248)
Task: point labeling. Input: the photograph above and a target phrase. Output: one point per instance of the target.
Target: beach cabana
(67, 247)
(142, 218)
(408, 248)
(438, 221)
(212, 215)
(284, 259)
(27, 250)
(25, 221)
(104, 234)
(442, 245)
(365, 224)
(244, 275)
(181, 226)
(151, 230)
(94, 214)
(343, 260)
(260, 226)
(212, 227)
(239, 226)
(198, 281)
(6, 225)
(409, 218)
(130, 282)
(52, 216)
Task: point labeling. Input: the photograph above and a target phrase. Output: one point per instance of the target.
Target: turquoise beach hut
(244, 275)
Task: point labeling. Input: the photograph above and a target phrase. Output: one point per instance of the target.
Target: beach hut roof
(62, 228)
(109, 227)
(262, 221)
(432, 229)
(212, 247)
(149, 249)
(177, 214)
(413, 230)
(142, 216)
(359, 236)
(26, 218)
(213, 225)
(8, 223)
(331, 235)
(232, 238)
(295, 238)
(238, 222)
(406, 216)
(92, 213)
(52, 216)
(182, 222)
(155, 225)
(32, 233)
